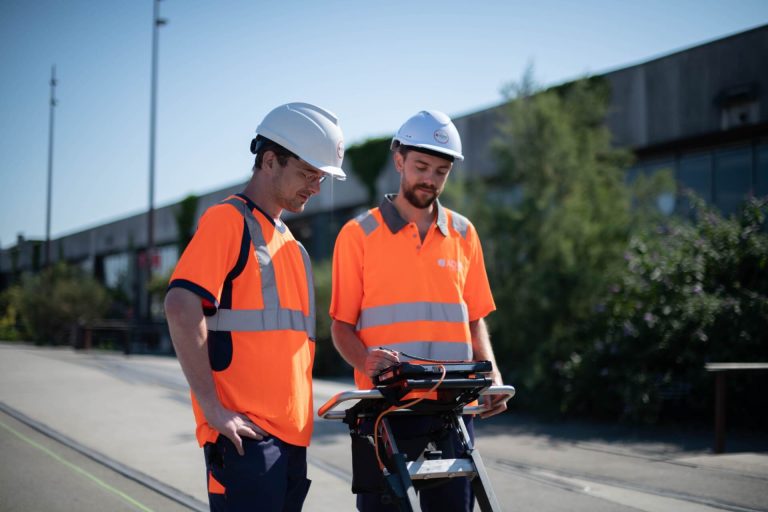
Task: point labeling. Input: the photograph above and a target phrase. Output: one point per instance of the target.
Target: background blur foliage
(607, 307)
(185, 216)
(328, 362)
(689, 293)
(368, 159)
(51, 305)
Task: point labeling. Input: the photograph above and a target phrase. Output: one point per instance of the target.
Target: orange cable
(393, 408)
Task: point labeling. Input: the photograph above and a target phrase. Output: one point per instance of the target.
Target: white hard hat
(310, 132)
(432, 130)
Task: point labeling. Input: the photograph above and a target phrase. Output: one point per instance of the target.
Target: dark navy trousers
(271, 476)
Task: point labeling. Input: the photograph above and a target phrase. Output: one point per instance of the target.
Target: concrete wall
(682, 95)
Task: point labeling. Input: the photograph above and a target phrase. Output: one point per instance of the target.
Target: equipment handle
(328, 410)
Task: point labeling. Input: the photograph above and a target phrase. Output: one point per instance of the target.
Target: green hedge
(51, 305)
(690, 293)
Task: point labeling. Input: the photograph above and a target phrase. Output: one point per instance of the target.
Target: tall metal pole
(157, 22)
(50, 168)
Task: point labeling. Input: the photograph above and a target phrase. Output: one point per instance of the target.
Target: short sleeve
(477, 290)
(211, 254)
(347, 277)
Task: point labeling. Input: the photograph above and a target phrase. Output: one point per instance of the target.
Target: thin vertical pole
(50, 168)
(157, 22)
(720, 412)
(152, 125)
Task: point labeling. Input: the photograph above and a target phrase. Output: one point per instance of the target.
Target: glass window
(733, 178)
(666, 202)
(117, 269)
(761, 176)
(659, 165)
(695, 173)
(168, 256)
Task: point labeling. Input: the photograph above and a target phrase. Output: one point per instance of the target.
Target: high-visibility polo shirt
(258, 298)
(411, 296)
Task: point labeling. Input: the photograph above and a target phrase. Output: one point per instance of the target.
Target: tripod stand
(443, 391)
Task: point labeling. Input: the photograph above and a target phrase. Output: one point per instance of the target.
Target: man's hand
(495, 403)
(379, 359)
(234, 426)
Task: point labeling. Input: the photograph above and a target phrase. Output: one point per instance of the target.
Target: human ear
(269, 160)
(399, 162)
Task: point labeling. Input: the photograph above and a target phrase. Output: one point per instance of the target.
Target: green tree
(557, 224)
(368, 159)
(186, 217)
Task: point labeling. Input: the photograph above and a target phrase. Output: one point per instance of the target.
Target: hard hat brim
(335, 172)
(436, 149)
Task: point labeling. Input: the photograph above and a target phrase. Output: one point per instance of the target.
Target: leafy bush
(328, 362)
(690, 293)
(9, 318)
(53, 303)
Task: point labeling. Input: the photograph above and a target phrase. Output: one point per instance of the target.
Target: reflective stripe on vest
(439, 350)
(367, 222)
(412, 312)
(459, 350)
(272, 317)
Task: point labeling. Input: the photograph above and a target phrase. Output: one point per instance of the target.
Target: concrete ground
(126, 423)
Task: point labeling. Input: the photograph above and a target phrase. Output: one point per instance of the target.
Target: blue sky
(224, 64)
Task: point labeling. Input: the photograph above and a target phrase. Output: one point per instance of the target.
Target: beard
(410, 194)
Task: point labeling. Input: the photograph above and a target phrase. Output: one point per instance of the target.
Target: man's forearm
(189, 336)
(481, 343)
(354, 351)
(483, 351)
(348, 344)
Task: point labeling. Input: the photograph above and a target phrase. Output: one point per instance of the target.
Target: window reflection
(733, 178)
(761, 174)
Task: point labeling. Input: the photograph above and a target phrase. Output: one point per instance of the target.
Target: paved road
(132, 414)
(40, 473)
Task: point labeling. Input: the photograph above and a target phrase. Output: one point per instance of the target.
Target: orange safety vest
(255, 281)
(407, 295)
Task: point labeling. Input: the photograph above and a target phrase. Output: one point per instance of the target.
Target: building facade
(701, 112)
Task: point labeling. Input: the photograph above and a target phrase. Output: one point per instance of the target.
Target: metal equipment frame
(400, 473)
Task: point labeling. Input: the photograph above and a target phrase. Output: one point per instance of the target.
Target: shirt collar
(395, 222)
(279, 225)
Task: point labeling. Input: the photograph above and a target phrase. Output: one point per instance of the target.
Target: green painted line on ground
(76, 468)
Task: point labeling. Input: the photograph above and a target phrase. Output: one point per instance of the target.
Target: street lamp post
(157, 22)
(50, 168)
